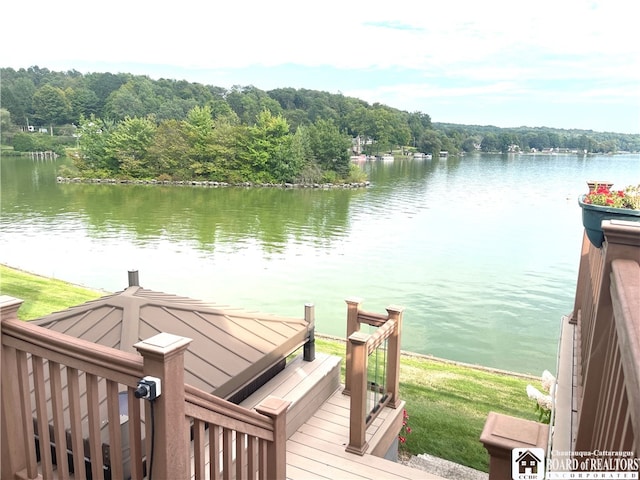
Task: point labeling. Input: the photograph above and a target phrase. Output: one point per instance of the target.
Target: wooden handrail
(215, 410)
(90, 357)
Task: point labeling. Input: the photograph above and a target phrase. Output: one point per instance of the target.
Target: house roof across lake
(232, 353)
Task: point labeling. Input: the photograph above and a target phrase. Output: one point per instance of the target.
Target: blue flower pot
(593, 215)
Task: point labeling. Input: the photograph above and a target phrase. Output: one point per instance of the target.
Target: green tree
(249, 102)
(329, 147)
(17, 97)
(430, 142)
(268, 148)
(23, 142)
(227, 136)
(93, 137)
(166, 154)
(136, 98)
(51, 105)
(84, 102)
(490, 143)
(129, 143)
(418, 122)
(469, 144)
(199, 130)
(6, 125)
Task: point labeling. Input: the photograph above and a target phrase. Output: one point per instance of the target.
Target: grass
(447, 403)
(42, 295)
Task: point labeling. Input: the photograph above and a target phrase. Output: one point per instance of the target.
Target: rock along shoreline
(212, 184)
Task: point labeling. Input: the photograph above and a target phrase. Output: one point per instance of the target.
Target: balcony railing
(372, 368)
(597, 405)
(76, 399)
(607, 322)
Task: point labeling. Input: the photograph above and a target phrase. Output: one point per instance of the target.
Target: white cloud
(454, 49)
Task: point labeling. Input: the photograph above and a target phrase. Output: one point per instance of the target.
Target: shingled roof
(231, 347)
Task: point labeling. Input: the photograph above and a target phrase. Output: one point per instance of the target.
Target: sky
(555, 63)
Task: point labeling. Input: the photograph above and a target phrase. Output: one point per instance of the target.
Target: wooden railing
(597, 404)
(66, 393)
(607, 317)
(370, 393)
(232, 442)
(69, 408)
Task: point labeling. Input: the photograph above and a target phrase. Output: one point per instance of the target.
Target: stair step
(307, 385)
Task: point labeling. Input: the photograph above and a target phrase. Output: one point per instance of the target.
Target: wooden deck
(320, 415)
(317, 449)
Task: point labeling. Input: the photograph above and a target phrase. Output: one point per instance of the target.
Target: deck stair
(307, 385)
(318, 425)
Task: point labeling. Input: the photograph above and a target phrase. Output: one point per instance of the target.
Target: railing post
(12, 453)
(164, 358)
(353, 325)
(276, 409)
(358, 401)
(309, 349)
(393, 357)
(502, 433)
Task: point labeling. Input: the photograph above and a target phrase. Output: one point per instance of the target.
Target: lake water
(481, 250)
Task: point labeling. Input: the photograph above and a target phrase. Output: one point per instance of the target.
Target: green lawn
(447, 403)
(41, 295)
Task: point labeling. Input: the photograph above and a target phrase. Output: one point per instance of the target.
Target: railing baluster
(93, 416)
(198, 449)
(77, 442)
(57, 406)
(241, 454)
(214, 452)
(227, 453)
(41, 417)
(252, 461)
(27, 420)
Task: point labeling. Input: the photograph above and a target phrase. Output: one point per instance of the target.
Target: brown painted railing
(607, 317)
(232, 442)
(365, 405)
(598, 392)
(52, 387)
(62, 413)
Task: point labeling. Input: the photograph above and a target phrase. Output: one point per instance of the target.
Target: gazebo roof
(231, 347)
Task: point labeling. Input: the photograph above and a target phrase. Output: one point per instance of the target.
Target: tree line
(292, 133)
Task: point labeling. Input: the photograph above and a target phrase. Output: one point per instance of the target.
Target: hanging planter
(603, 204)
